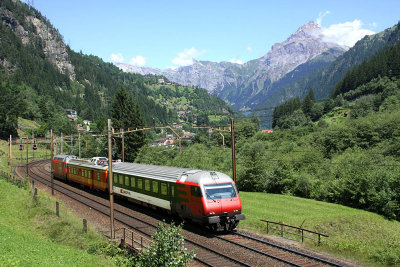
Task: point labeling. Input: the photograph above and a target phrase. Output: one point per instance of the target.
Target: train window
(127, 180)
(84, 173)
(121, 179)
(195, 190)
(173, 190)
(155, 186)
(133, 182)
(217, 191)
(98, 176)
(90, 174)
(140, 183)
(115, 178)
(147, 185)
(164, 189)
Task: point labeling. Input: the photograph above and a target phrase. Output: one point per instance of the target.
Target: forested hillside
(47, 77)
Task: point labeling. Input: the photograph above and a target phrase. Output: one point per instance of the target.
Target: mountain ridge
(238, 84)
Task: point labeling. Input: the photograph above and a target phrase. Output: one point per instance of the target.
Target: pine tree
(125, 114)
(308, 102)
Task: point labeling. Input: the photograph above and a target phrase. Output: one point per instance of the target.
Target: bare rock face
(53, 46)
(8, 19)
(305, 44)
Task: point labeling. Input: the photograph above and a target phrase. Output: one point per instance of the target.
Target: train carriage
(88, 173)
(206, 197)
(59, 166)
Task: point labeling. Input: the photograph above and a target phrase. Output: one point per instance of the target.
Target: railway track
(233, 249)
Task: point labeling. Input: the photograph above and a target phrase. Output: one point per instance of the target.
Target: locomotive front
(220, 200)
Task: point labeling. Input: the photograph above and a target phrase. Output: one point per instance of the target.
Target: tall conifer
(125, 114)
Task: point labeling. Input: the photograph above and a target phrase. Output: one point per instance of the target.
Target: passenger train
(206, 197)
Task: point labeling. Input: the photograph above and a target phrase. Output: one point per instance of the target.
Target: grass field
(362, 236)
(32, 235)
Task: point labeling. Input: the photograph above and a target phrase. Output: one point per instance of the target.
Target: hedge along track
(205, 255)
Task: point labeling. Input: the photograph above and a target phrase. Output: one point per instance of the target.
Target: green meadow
(354, 234)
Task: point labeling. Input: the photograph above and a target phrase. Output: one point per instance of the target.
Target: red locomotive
(206, 197)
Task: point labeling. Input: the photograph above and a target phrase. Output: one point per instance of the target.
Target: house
(80, 128)
(161, 81)
(176, 125)
(164, 141)
(72, 114)
(187, 136)
(267, 131)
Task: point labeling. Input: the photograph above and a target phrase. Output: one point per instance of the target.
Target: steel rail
(288, 250)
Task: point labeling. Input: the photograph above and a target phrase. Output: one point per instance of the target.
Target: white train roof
(170, 174)
(64, 157)
(87, 164)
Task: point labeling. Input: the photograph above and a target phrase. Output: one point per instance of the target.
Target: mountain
(44, 76)
(249, 84)
(324, 78)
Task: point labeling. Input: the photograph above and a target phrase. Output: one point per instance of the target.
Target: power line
(331, 163)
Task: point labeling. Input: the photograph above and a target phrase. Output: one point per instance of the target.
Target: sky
(169, 34)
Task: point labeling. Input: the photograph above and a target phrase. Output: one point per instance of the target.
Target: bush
(166, 249)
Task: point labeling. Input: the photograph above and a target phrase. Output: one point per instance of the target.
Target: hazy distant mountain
(249, 84)
(324, 79)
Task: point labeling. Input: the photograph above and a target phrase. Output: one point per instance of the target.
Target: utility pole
(33, 150)
(110, 179)
(233, 150)
(27, 157)
(51, 162)
(61, 144)
(10, 154)
(79, 148)
(123, 144)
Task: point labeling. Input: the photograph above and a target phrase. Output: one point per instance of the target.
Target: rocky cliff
(35, 30)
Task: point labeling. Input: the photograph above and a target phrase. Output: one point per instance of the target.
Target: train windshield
(218, 191)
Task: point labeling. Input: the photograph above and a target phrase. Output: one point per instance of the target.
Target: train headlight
(211, 213)
(236, 210)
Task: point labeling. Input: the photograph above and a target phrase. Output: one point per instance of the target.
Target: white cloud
(235, 60)
(249, 48)
(116, 58)
(138, 61)
(347, 33)
(186, 57)
(321, 15)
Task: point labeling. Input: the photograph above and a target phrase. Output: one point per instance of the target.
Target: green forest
(344, 149)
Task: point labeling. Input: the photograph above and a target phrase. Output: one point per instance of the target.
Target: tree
(166, 249)
(126, 114)
(10, 108)
(308, 102)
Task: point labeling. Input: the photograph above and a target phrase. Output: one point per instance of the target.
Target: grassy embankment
(32, 235)
(354, 234)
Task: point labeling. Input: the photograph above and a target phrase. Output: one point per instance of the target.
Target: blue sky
(171, 33)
